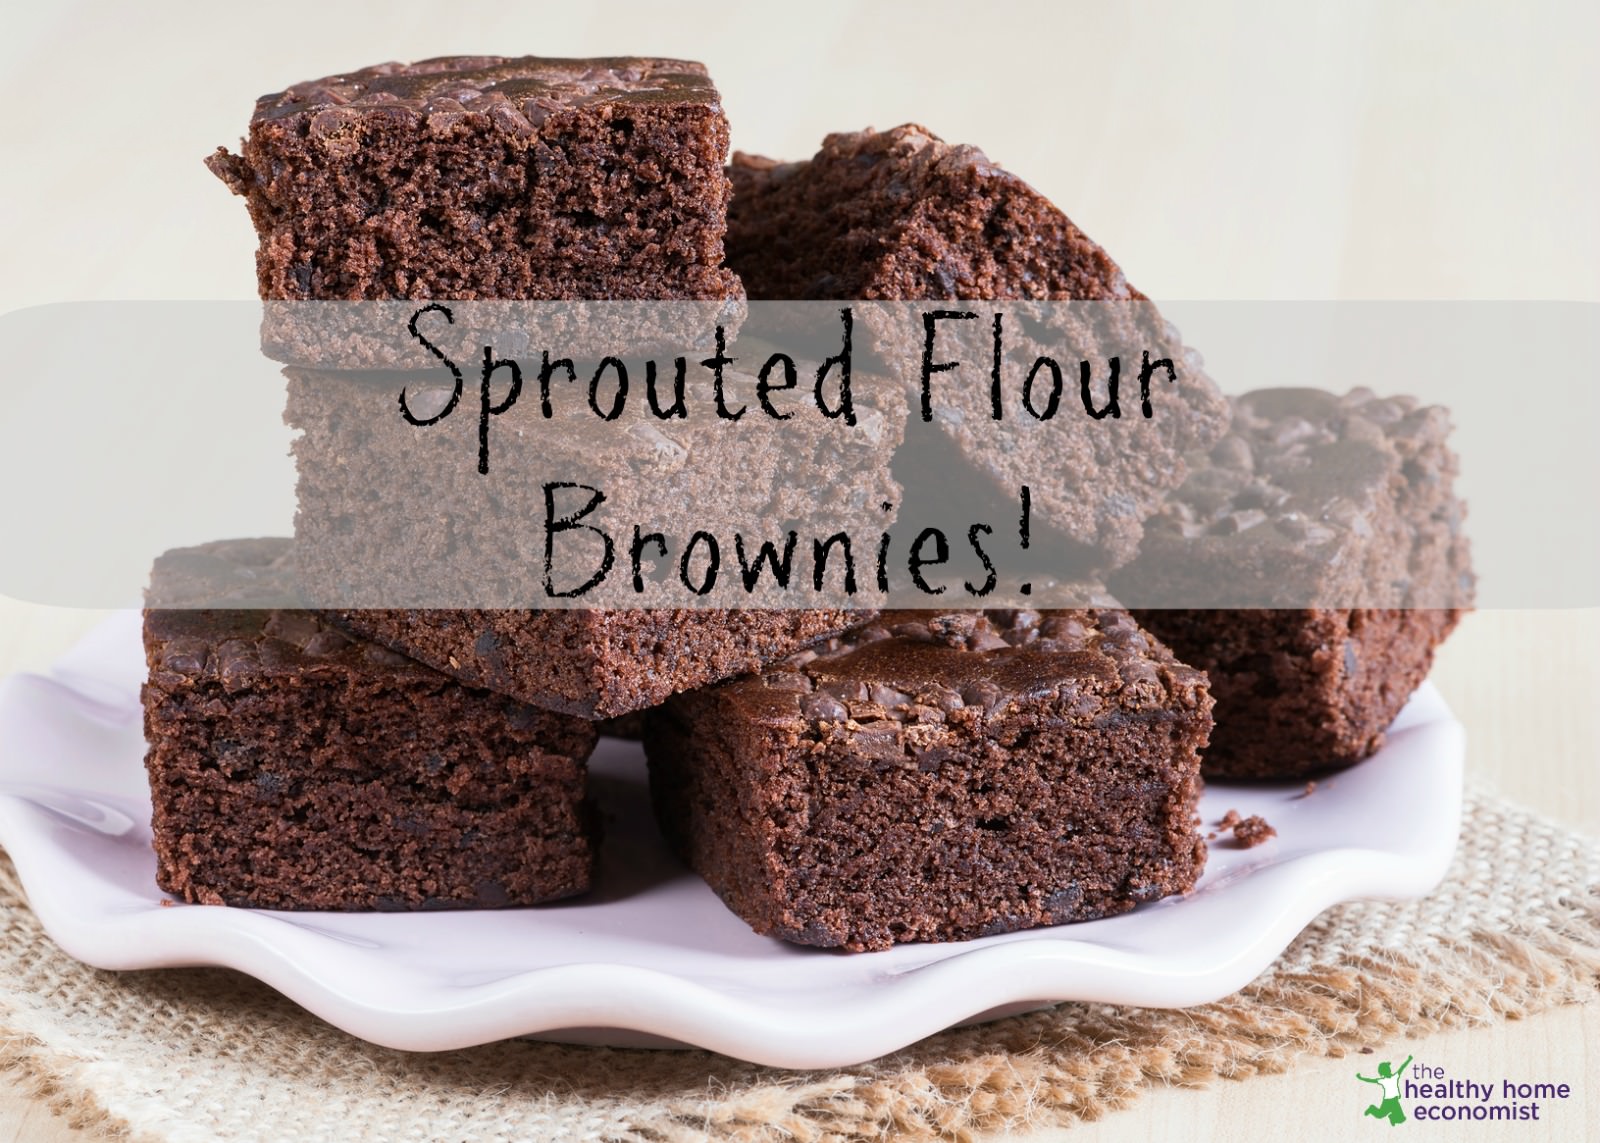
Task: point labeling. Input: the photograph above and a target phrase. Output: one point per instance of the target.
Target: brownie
(901, 215)
(940, 776)
(396, 527)
(293, 767)
(596, 663)
(392, 514)
(1315, 501)
(489, 177)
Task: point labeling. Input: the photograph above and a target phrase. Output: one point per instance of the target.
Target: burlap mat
(212, 1055)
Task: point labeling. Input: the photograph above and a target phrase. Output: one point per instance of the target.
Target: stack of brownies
(841, 778)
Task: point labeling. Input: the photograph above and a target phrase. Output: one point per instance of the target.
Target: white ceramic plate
(653, 957)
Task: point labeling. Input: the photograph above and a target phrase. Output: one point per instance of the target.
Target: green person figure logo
(1389, 1081)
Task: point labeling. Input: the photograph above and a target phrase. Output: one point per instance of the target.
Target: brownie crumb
(1253, 831)
(1229, 820)
(1311, 788)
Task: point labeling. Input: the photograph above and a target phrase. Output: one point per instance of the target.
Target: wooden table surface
(1228, 150)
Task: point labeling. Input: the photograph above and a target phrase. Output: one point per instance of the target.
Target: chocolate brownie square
(902, 216)
(392, 514)
(293, 767)
(489, 177)
(938, 776)
(1302, 691)
(1321, 500)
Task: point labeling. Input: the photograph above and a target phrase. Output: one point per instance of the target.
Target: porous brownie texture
(489, 177)
(1312, 499)
(293, 767)
(939, 776)
(596, 664)
(901, 215)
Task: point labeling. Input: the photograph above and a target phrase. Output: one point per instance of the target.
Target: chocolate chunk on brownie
(901, 215)
(941, 776)
(293, 767)
(596, 664)
(489, 177)
(1313, 499)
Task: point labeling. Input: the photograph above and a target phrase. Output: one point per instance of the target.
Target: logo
(1433, 1095)
(1388, 1079)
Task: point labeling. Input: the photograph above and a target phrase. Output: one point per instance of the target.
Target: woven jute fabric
(206, 1054)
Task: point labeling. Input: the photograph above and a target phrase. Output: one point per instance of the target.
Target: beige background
(1425, 150)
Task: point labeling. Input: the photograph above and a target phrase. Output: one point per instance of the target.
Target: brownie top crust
(925, 666)
(245, 646)
(518, 93)
(232, 646)
(255, 573)
(1305, 469)
(830, 226)
(252, 633)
